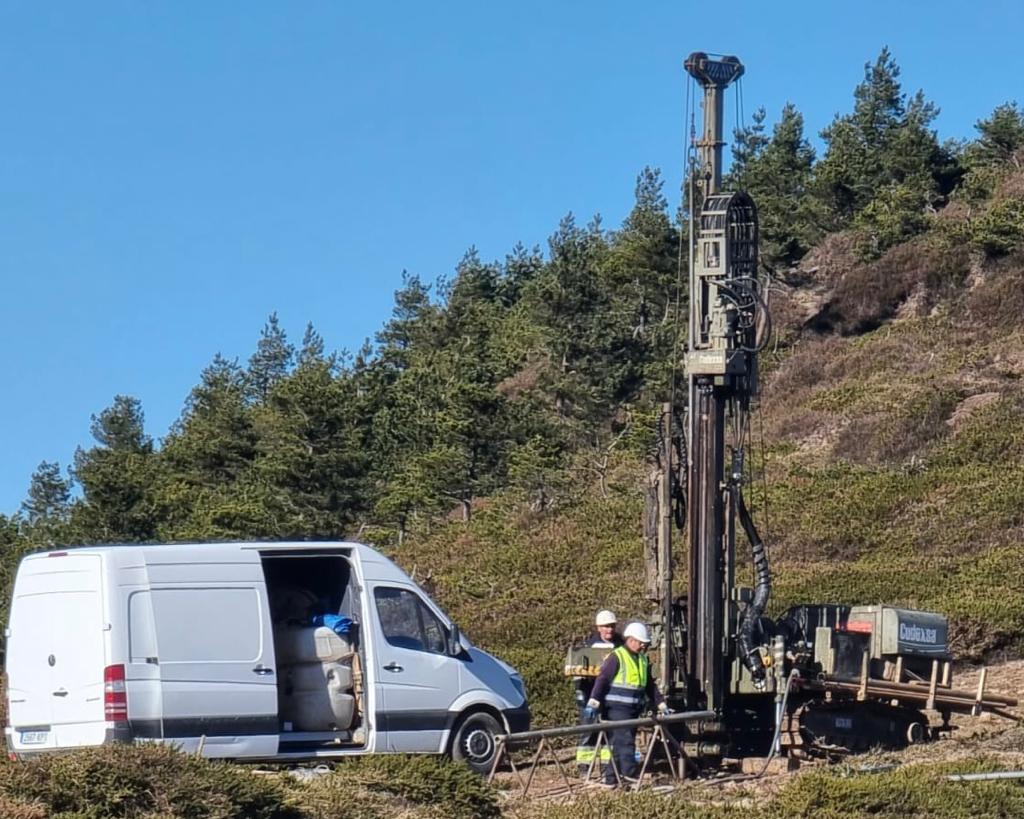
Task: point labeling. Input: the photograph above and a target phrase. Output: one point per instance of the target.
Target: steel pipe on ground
(962, 700)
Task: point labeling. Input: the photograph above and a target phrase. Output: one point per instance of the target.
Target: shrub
(369, 786)
(1001, 228)
(124, 782)
(913, 790)
(17, 809)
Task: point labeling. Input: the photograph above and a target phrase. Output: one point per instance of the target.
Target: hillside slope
(893, 434)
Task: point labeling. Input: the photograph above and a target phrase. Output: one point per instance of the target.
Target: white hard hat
(638, 631)
(605, 618)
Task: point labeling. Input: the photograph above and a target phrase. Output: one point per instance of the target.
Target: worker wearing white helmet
(624, 688)
(604, 636)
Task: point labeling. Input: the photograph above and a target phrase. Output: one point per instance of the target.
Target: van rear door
(56, 653)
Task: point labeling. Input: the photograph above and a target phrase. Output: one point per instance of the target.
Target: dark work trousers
(623, 742)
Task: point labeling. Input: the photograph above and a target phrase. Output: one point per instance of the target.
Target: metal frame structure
(659, 735)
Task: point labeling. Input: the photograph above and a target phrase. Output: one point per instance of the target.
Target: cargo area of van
(314, 612)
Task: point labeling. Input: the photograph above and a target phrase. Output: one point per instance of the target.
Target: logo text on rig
(918, 634)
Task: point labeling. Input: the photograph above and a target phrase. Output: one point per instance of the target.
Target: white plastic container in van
(216, 648)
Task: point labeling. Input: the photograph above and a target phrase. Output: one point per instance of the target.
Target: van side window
(407, 622)
(183, 617)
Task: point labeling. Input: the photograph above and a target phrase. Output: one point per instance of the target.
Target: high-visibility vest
(630, 684)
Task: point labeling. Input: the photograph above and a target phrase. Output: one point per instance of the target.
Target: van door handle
(60, 692)
(393, 667)
(262, 670)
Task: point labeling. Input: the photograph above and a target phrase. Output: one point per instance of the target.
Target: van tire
(473, 741)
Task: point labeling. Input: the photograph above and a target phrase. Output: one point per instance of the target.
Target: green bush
(911, 791)
(143, 782)
(1001, 228)
(369, 787)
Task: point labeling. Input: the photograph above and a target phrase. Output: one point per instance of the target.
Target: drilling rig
(822, 678)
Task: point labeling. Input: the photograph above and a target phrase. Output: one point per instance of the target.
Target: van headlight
(519, 685)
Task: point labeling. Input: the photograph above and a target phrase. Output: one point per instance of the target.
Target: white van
(272, 651)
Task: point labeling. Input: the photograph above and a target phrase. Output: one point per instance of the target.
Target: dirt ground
(989, 735)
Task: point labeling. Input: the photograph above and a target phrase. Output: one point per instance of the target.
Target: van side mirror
(454, 641)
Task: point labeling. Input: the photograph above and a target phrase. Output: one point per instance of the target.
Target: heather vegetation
(151, 782)
(155, 782)
(914, 790)
(494, 437)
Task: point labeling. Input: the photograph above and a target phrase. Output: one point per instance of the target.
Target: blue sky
(172, 172)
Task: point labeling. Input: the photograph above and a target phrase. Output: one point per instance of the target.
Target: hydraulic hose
(762, 591)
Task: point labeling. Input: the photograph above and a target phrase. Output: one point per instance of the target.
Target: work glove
(592, 710)
(664, 710)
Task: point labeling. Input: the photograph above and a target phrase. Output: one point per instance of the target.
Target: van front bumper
(517, 719)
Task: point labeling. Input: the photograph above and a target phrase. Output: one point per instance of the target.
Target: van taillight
(115, 695)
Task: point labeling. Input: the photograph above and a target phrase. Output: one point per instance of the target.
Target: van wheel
(474, 741)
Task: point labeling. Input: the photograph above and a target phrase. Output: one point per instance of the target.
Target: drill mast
(721, 370)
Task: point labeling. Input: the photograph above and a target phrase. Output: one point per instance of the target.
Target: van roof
(304, 545)
(361, 551)
(374, 564)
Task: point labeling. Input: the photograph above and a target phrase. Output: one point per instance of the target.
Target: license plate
(34, 737)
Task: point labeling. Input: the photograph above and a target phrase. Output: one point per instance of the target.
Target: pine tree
(214, 441)
(748, 143)
(310, 468)
(117, 477)
(13, 546)
(412, 322)
(778, 176)
(566, 303)
(272, 360)
(49, 495)
(312, 349)
(640, 274)
(467, 456)
(536, 467)
(121, 427)
(206, 452)
(998, 150)
(398, 388)
(521, 267)
(1000, 138)
(883, 168)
